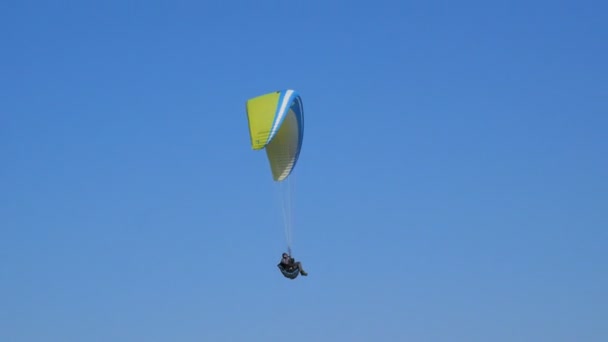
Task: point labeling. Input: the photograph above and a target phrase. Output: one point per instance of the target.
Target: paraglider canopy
(276, 123)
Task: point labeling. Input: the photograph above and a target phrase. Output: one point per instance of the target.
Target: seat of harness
(290, 272)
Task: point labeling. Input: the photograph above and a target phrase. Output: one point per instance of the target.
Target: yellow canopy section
(261, 112)
(282, 150)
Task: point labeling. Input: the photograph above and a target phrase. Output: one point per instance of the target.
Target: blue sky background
(452, 184)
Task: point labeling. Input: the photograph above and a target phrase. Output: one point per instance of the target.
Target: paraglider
(290, 267)
(276, 124)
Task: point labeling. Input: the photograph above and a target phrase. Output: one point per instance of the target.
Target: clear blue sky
(452, 186)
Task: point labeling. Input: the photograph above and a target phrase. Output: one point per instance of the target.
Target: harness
(290, 272)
